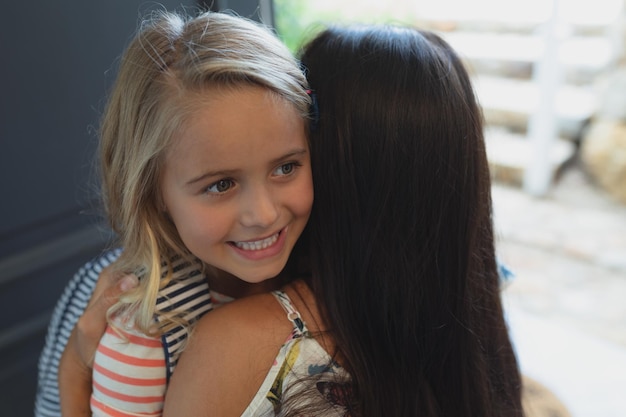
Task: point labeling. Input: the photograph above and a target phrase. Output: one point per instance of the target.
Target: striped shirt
(188, 291)
(131, 370)
(129, 376)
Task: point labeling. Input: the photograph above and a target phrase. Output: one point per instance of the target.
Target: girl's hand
(92, 324)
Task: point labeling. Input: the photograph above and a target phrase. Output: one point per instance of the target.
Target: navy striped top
(188, 291)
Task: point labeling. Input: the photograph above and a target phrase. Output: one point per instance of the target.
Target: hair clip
(314, 111)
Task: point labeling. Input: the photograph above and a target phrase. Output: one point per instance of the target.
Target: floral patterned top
(320, 380)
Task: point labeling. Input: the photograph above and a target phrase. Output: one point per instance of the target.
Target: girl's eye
(286, 169)
(220, 186)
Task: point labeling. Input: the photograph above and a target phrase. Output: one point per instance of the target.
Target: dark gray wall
(57, 60)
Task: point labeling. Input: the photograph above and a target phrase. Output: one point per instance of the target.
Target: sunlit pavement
(567, 304)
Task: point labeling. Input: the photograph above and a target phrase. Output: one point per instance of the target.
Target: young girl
(402, 313)
(206, 177)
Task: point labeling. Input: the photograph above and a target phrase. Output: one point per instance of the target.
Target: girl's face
(237, 182)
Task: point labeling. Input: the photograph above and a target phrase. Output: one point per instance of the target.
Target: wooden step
(510, 154)
(589, 52)
(510, 103)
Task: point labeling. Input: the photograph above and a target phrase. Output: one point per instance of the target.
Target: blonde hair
(171, 60)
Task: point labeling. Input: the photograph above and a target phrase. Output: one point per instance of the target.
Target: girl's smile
(257, 244)
(263, 248)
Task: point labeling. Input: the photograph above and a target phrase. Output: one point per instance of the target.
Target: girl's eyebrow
(293, 154)
(221, 173)
(230, 172)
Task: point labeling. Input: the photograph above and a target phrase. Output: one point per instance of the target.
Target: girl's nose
(259, 208)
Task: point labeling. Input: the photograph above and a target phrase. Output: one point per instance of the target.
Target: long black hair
(402, 244)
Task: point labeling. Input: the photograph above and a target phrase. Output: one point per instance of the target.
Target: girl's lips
(258, 244)
(262, 248)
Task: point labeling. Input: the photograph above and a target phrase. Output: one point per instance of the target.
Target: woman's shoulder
(238, 332)
(250, 313)
(228, 356)
(259, 313)
(248, 332)
(232, 350)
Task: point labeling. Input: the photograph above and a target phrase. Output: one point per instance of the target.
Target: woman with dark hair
(411, 288)
(402, 314)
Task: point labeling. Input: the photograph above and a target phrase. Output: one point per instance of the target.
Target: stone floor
(567, 304)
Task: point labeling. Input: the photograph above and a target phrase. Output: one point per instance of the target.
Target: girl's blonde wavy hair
(171, 63)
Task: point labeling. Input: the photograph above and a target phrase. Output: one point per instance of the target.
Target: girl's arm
(74, 382)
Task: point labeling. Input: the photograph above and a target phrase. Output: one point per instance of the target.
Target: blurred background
(549, 74)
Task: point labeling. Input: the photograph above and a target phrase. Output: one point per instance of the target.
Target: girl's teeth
(259, 244)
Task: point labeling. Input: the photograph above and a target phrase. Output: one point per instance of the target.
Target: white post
(543, 126)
